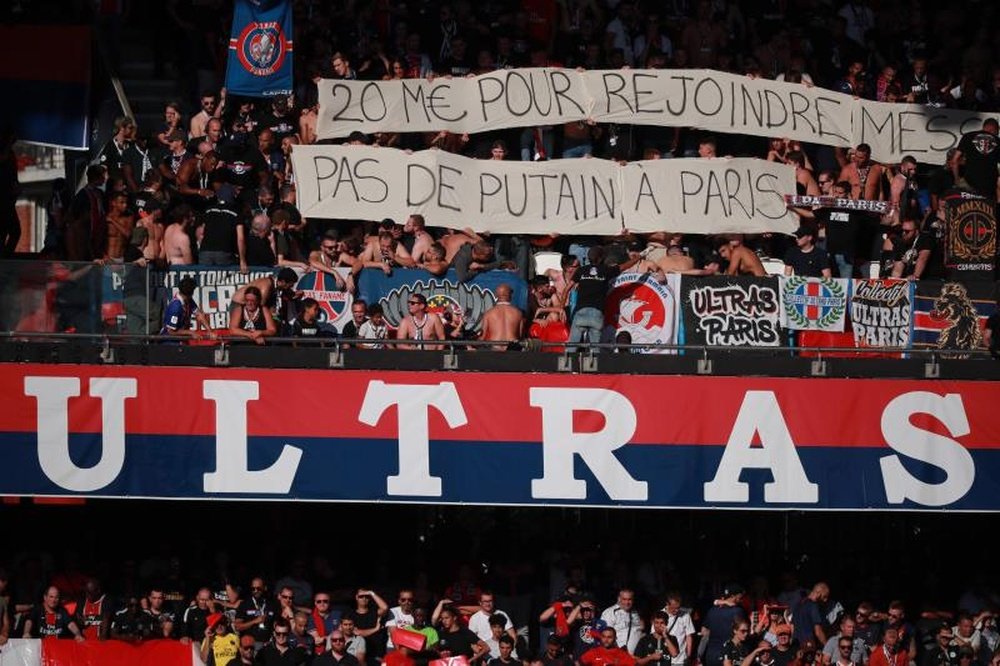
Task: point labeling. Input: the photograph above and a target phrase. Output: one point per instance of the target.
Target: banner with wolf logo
(951, 315)
(970, 248)
(731, 311)
(445, 295)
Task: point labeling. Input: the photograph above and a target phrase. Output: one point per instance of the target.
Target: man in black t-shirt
(455, 640)
(659, 647)
(244, 166)
(805, 259)
(255, 614)
(981, 153)
(591, 289)
(910, 252)
(223, 242)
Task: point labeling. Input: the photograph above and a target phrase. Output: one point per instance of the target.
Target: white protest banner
(699, 196)
(720, 102)
(368, 183)
(926, 133)
(700, 98)
(577, 196)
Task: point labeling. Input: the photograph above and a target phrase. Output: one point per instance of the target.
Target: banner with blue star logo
(260, 49)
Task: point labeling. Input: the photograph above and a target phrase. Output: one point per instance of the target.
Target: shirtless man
(416, 225)
(275, 291)
(804, 178)
(434, 260)
(120, 225)
(307, 125)
(675, 261)
(503, 322)
(194, 179)
(176, 241)
(742, 260)
(455, 239)
(328, 257)
(420, 324)
(864, 175)
(390, 252)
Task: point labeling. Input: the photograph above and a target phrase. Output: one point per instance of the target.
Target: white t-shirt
(627, 625)
(479, 624)
(397, 618)
(680, 627)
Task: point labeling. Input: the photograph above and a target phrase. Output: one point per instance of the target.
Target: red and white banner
(67, 652)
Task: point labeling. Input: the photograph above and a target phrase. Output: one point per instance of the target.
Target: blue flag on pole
(260, 49)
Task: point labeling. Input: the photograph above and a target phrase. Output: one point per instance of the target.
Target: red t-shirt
(602, 656)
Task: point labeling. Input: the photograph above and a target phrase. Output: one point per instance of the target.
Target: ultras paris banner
(499, 438)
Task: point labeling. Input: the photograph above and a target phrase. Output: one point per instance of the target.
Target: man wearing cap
(783, 651)
(718, 625)
(805, 259)
(220, 646)
(625, 620)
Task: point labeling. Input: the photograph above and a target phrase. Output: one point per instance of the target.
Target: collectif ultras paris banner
(570, 196)
(449, 437)
(699, 98)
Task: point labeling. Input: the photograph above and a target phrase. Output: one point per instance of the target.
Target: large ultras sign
(542, 439)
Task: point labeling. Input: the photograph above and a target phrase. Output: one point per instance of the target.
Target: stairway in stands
(146, 94)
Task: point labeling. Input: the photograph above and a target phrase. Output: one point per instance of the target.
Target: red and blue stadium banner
(260, 49)
(49, 68)
(499, 438)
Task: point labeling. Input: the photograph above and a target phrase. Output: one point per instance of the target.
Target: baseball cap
(805, 230)
(732, 589)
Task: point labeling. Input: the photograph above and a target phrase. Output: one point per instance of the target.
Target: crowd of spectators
(215, 185)
(291, 620)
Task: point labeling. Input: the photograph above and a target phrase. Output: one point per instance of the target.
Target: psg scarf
(260, 49)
